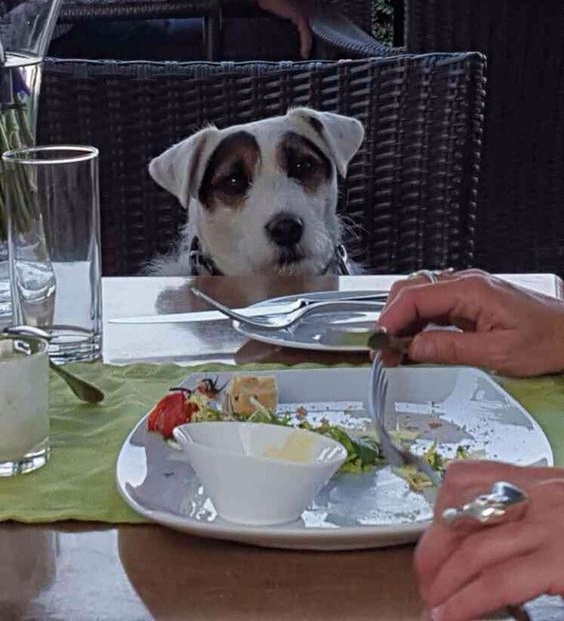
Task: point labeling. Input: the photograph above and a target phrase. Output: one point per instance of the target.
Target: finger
(429, 302)
(464, 481)
(480, 550)
(422, 279)
(302, 24)
(434, 548)
(450, 347)
(400, 285)
(512, 582)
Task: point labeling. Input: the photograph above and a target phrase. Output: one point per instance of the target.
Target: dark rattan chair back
(521, 203)
(409, 198)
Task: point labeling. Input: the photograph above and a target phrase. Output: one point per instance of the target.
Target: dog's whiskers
(348, 227)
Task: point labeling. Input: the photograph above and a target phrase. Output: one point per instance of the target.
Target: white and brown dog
(262, 196)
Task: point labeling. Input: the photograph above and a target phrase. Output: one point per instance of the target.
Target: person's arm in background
(463, 575)
(504, 328)
(298, 12)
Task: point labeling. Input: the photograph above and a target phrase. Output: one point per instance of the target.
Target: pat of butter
(298, 447)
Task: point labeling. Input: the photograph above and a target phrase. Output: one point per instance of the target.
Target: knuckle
(396, 287)
(479, 281)
(405, 294)
(474, 271)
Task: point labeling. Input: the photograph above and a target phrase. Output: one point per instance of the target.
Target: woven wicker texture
(341, 37)
(521, 202)
(410, 192)
(361, 12)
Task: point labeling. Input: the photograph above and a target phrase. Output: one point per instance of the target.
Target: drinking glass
(54, 243)
(24, 404)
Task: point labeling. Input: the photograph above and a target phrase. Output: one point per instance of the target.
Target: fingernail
(437, 614)
(423, 349)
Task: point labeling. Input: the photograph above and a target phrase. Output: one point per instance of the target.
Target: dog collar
(200, 265)
(342, 259)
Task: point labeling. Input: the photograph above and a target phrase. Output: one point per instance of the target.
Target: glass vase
(26, 27)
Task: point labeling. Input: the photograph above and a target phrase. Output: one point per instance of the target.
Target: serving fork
(394, 455)
(362, 304)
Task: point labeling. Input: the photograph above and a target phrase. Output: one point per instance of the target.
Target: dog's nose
(285, 230)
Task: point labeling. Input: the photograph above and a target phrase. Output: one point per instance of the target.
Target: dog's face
(263, 195)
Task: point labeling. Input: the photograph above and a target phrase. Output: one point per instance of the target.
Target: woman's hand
(464, 575)
(298, 12)
(503, 327)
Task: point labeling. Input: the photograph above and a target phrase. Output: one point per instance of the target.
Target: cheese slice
(298, 447)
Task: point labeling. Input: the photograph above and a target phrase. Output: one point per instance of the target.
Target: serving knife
(276, 308)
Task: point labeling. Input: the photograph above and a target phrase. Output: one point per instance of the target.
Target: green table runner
(78, 483)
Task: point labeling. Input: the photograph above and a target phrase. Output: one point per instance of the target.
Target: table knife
(248, 311)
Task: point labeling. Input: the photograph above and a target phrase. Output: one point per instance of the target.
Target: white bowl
(247, 481)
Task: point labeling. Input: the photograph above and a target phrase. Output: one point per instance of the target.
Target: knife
(248, 311)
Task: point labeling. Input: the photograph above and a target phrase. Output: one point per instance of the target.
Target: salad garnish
(183, 405)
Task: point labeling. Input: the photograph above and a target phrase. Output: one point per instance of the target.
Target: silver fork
(394, 455)
(279, 322)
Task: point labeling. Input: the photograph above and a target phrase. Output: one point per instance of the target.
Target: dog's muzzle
(285, 230)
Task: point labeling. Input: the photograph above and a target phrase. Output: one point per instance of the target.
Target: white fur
(236, 239)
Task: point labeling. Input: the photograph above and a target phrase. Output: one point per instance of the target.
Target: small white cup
(24, 404)
(248, 486)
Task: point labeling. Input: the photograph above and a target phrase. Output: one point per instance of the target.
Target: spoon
(84, 390)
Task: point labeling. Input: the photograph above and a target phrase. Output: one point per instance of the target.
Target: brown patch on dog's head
(316, 124)
(230, 170)
(303, 161)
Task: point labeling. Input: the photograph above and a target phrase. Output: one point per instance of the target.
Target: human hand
(298, 12)
(463, 575)
(503, 327)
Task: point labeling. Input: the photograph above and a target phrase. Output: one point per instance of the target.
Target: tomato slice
(172, 410)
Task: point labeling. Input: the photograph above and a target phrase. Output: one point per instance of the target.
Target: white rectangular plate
(447, 405)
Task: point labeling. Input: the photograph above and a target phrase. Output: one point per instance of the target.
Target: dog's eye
(236, 182)
(300, 167)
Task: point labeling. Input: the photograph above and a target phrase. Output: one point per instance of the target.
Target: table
(87, 571)
(217, 342)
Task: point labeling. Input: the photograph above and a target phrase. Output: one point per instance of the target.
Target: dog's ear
(181, 167)
(339, 136)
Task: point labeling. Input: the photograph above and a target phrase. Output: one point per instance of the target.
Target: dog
(261, 196)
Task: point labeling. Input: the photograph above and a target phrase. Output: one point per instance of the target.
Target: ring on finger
(503, 503)
(431, 275)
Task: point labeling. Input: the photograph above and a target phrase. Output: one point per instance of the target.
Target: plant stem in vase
(20, 78)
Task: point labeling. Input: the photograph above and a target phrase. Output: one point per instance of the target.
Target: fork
(280, 322)
(394, 455)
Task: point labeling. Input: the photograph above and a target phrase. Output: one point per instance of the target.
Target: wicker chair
(216, 16)
(409, 198)
(520, 226)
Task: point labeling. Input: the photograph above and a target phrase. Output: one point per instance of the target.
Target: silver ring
(430, 275)
(503, 503)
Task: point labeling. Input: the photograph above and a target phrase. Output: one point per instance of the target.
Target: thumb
(449, 347)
